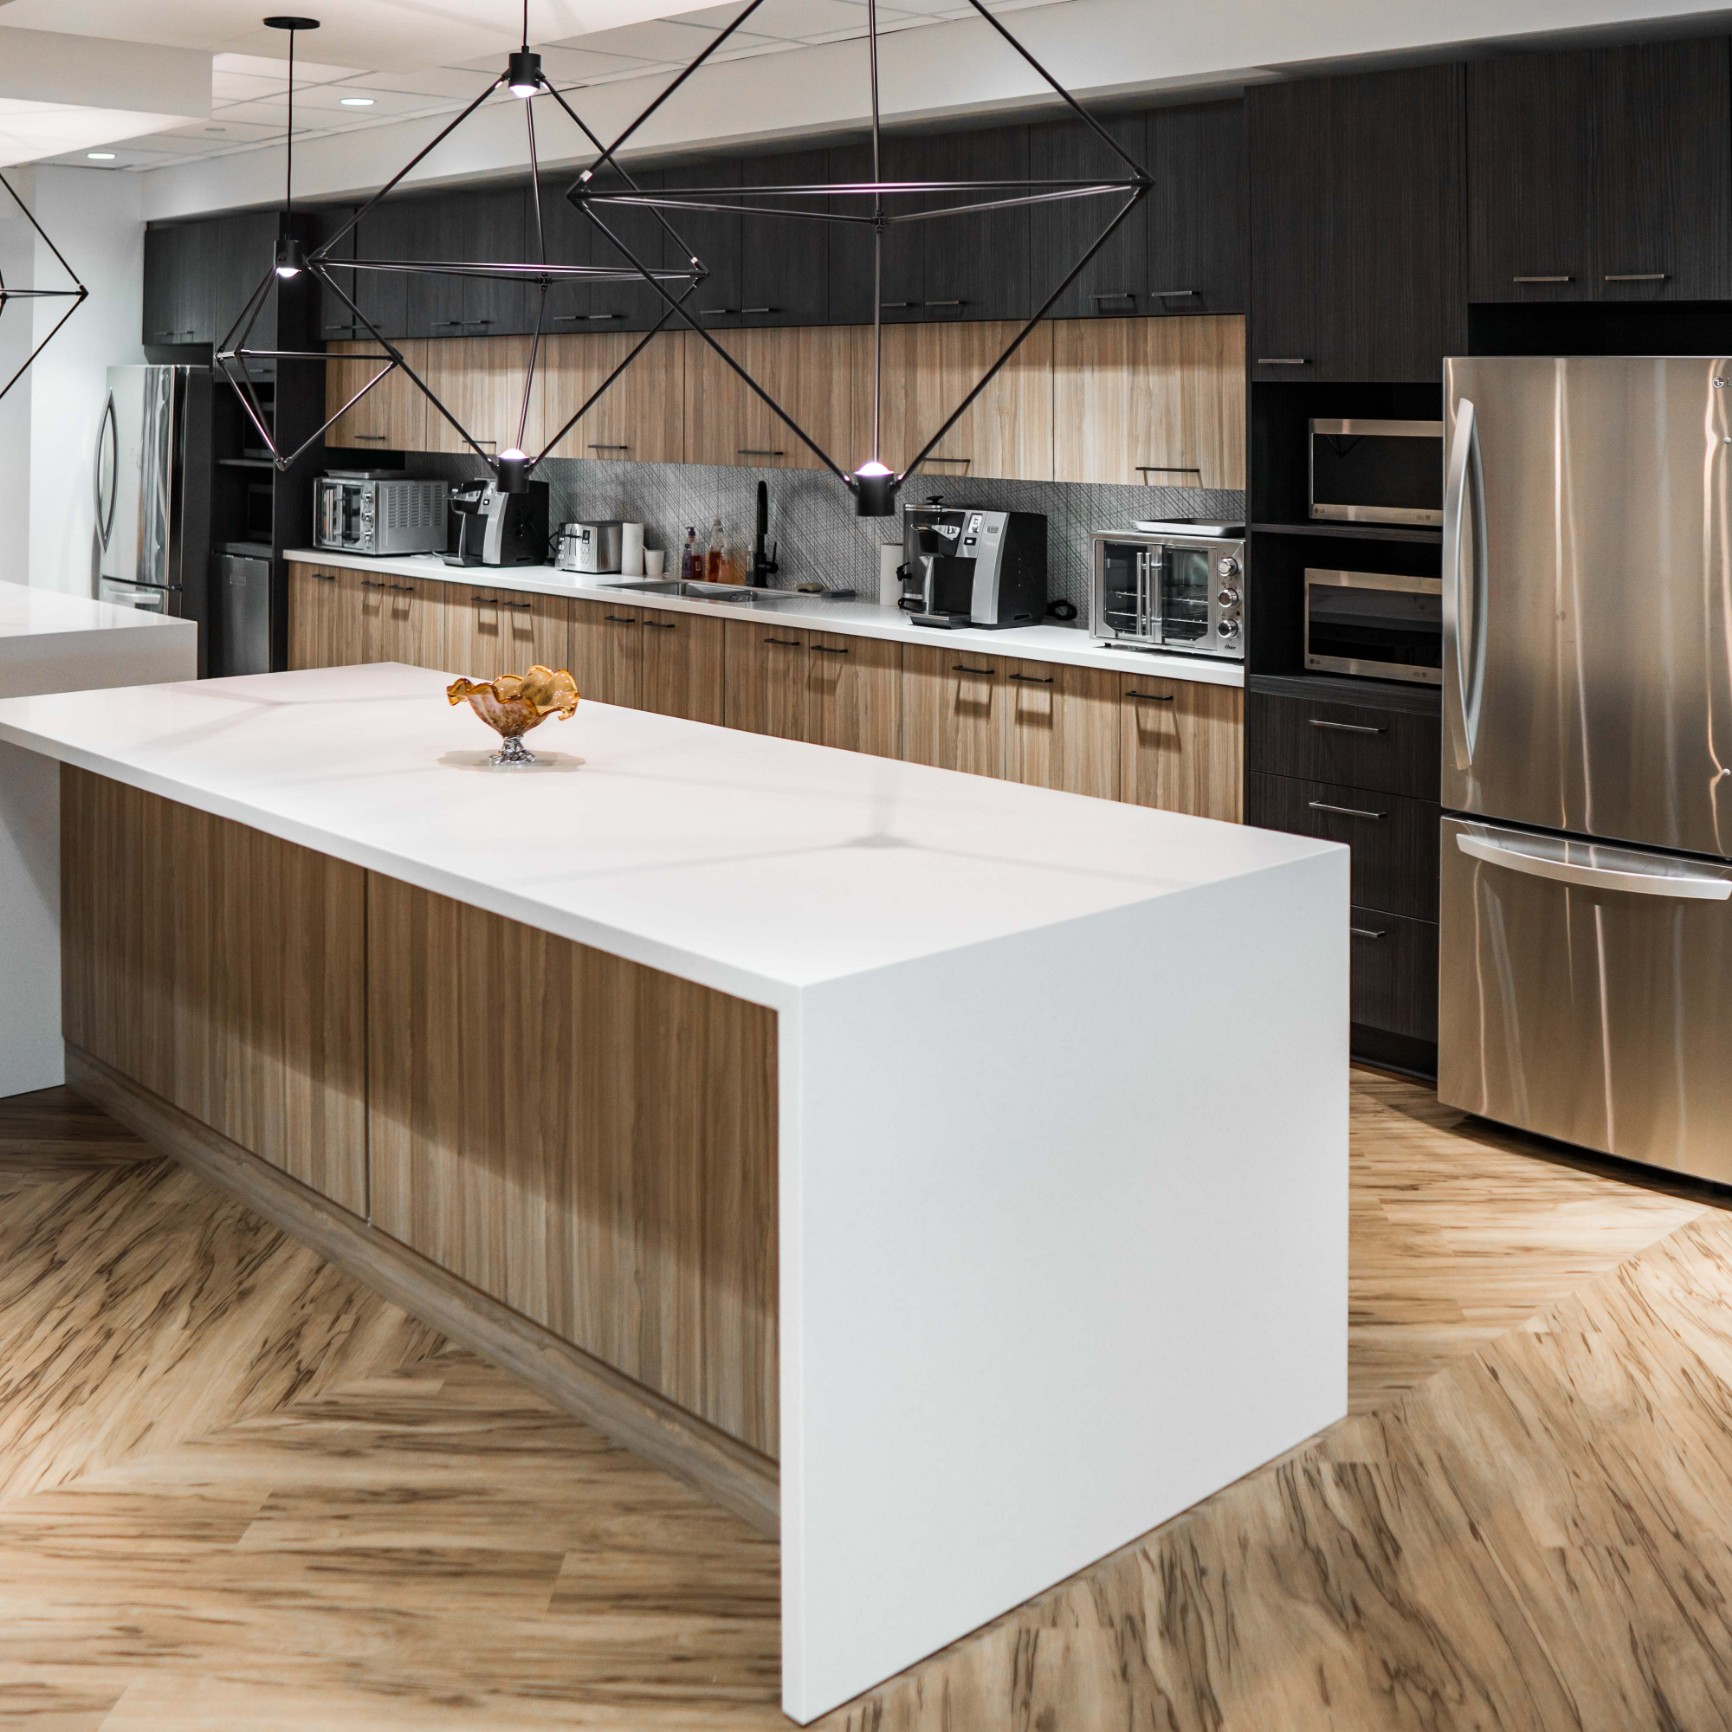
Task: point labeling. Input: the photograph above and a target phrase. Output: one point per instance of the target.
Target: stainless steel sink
(741, 594)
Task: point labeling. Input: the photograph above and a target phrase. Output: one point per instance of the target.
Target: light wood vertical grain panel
(313, 616)
(480, 380)
(1150, 402)
(415, 615)
(489, 632)
(589, 1141)
(639, 418)
(817, 373)
(1064, 728)
(956, 710)
(222, 970)
(607, 648)
(765, 685)
(1006, 433)
(1182, 746)
(681, 665)
(853, 694)
(392, 416)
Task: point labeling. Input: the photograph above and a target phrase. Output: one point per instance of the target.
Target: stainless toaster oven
(1176, 588)
(382, 515)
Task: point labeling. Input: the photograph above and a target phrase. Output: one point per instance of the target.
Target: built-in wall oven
(1378, 625)
(1171, 587)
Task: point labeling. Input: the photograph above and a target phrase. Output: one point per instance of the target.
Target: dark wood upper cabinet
(627, 303)
(715, 236)
(1115, 283)
(388, 231)
(785, 260)
(1602, 175)
(975, 266)
(1357, 218)
(180, 264)
(853, 284)
(491, 225)
(1196, 209)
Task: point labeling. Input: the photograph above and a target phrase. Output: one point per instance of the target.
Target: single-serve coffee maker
(489, 527)
(963, 567)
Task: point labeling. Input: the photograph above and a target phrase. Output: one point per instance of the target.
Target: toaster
(590, 547)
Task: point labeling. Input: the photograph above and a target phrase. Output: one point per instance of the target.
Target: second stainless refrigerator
(1586, 916)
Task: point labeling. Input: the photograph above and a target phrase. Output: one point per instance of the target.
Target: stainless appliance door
(120, 474)
(1585, 992)
(146, 597)
(158, 451)
(1125, 579)
(1587, 571)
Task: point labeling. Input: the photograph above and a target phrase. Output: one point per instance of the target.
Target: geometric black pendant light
(524, 79)
(76, 294)
(879, 205)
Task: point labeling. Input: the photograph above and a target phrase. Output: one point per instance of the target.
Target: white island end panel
(1064, 1251)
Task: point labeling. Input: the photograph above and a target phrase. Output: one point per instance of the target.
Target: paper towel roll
(631, 549)
(889, 584)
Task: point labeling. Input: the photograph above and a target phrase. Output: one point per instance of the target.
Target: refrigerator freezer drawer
(1585, 992)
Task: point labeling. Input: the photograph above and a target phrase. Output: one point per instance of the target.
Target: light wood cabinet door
(853, 694)
(607, 651)
(1006, 433)
(680, 665)
(402, 620)
(956, 710)
(1063, 727)
(765, 683)
(1182, 746)
(480, 380)
(315, 612)
(489, 632)
(639, 418)
(817, 373)
(1150, 402)
(392, 416)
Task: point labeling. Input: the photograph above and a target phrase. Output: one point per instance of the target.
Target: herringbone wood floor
(238, 1492)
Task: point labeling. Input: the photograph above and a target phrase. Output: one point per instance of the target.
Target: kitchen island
(51, 642)
(950, 1173)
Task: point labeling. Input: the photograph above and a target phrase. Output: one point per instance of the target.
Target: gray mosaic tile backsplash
(821, 540)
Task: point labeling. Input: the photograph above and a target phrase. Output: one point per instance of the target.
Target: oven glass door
(1126, 579)
(1392, 629)
(1186, 584)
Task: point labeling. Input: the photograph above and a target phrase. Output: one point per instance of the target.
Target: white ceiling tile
(656, 39)
(277, 68)
(797, 20)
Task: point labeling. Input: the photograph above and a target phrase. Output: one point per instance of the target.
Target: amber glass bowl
(512, 704)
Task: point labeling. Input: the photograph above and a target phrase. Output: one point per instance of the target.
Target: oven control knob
(1228, 596)
(1228, 569)
(1227, 630)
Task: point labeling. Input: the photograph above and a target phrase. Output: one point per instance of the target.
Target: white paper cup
(654, 561)
(631, 549)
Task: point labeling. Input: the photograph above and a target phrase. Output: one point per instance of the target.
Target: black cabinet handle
(1033, 679)
(1368, 931)
(594, 447)
(935, 458)
(658, 625)
(976, 673)
(1173, 295)
(1152, 697)
(897, 306)
(1638, 276)
(946, 303)
(447, 324)
(1562, 277)
(404, 588)
(1116, 295)
(1170, 469)
(499, 601)
(619, 619)
(783, 642)
(373, 583)
(583, 318)
(1346, 727)
(341, 330)
(829, 649)
(1283, 361)
(760, 309)
(718, 312)
(323, 576)
(1344, 811)
(476, 324)
(758, 451)
(368, 438)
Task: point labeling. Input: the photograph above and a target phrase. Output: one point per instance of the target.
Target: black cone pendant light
(76, 294)
(877, 204)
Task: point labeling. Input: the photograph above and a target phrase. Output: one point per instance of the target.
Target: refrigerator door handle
(107, 464)
(1539, 859)
(1464, 594)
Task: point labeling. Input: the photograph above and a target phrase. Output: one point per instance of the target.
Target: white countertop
(51, 642)
(755, 865)
(27, 612)
(1068, 644)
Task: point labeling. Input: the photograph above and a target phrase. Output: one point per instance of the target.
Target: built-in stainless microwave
(1170, 588)
(1380, 625)
(1377, 471)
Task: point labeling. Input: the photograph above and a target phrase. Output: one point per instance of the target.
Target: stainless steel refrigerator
(1586, 919)
(153, 482)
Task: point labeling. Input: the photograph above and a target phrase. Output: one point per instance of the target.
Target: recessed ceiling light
(355, 102)
(99, 156)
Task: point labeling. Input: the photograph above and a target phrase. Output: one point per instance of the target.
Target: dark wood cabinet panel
(1396, 751)
(492, 225)
(1357, 225)
(785, 260)
(393, 229)
(1196, 210)
(1393, 838)
(1664, 171)
(1394, 974)
(714, 236)
(1116, 281)
(1530, 177)
(902, 289)
(180, 262)
(976, 266)
(245, 250)
(573, 238)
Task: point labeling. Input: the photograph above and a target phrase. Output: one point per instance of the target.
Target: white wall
(94, 217)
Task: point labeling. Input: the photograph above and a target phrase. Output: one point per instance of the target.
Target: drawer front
(1354, 745)
(1394, 840)
(1394, 974)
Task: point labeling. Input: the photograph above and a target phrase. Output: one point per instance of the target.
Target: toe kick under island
(946, 1174)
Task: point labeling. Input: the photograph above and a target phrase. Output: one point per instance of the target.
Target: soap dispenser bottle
(715, 569)
(691, 568)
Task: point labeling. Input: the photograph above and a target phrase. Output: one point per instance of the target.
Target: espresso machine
(489, 527)
(967, 567)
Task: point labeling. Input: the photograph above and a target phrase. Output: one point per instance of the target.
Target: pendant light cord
(877, 239)
(289, 153)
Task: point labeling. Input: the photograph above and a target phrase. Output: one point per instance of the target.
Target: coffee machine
(489, 527)
(965, 567)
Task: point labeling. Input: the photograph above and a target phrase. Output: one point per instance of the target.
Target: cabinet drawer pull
(341, 330)
(372, 583)
(522, 606)
(783, 642)
(974, 673)
(584, 318)
(1169, 469)
(1638, 276)
(758, 451)
(368, 438)
(1116, 295)
(619, 619)
(760, 309)
(1345, 811)
(935, 458)
(595, 447)
(323, 576)
(829, 649)
(658, 625)
(716, 312)
(404, 588)
(946, 303)
(448, 324)
(1173, 295)
(1346, 727)
(1560, 277)
(471, 324)
(1152, 697)
(499, 601)
(1368, 931)
(1033, 679)
(897, 306)
(1283, 361)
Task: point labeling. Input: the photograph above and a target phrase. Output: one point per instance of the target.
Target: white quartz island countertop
(1060, 1099)
(1068, 645)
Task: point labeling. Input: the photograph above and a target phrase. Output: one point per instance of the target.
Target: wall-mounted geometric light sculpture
(77, 293)
(879, 205)
(523, 78)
